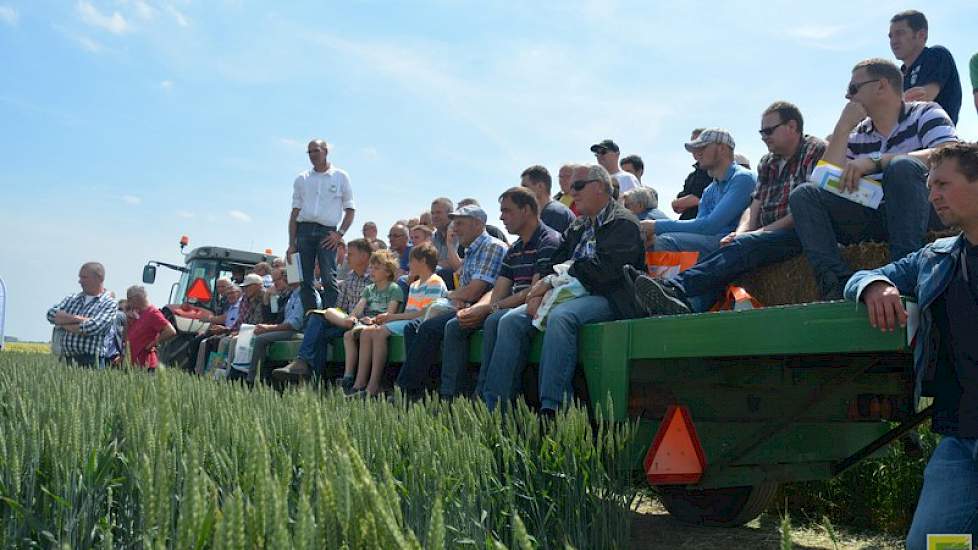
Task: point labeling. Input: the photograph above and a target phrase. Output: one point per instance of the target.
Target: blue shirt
(483, 258)
(231, 315)
(723, 202)
(293, 309)
(405, 259)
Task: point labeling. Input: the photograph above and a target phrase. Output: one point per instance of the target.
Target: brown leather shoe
(295, 370)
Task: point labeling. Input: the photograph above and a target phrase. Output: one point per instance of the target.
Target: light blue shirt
(232, 313)
(723, 203)
(293, 309)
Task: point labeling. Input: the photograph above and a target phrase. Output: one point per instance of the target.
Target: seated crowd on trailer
(580, 254)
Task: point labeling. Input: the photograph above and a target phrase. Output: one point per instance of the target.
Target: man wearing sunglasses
(765, 236)
(723, 203)
(598, 245)
(607, 153)
(895, 140)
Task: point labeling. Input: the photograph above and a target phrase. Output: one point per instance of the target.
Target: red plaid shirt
(774, 182)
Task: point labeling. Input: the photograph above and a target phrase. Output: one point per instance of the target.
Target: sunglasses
(581, 184)
(854, 88)
(600, 152)
(770, 129)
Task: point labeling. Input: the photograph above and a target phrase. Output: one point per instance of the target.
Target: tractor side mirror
(149, 274)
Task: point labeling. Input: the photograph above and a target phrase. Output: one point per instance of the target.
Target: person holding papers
(880, 134)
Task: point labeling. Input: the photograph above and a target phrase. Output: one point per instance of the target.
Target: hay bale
(793, 281)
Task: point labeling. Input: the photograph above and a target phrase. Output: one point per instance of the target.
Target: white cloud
(239, 216)
(143, 10)
(179, 17)
(185, 214)
(115, 23)
(167, 85)
(8, 15)
(89, 44)
(131, 199)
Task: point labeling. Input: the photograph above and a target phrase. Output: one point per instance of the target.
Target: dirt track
(654, 528)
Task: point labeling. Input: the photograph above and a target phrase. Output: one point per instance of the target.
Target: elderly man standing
(724, 200)
(320, 198)
(147, 329)
(483, 260)
(607, 152)
(84, 318)
(598, 245)
(894, 140)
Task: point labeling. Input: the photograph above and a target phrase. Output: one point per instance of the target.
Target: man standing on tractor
(320, 198)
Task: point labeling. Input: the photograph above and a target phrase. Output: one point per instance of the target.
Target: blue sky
(128, 123)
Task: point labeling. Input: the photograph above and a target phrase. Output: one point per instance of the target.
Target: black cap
(605, 144)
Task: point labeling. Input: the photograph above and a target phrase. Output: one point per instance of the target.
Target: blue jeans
(422, 342)
(823, 220)
(315, 337)
(308, 237)
(704, 282)
(558, 359)
(455, 359)
(687, 242)
(505, 347)
(949, 500)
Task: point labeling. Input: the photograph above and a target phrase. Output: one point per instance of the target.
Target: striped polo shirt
(922, 125)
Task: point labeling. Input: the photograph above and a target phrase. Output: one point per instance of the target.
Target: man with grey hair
(147, 329)
(721, 207)
(564, 196)
(81, 320)
(644, 203)
(322, 211)
(597, 247)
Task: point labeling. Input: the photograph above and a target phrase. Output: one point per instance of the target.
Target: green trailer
(772, 395)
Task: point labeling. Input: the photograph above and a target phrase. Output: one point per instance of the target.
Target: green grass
(127, 459)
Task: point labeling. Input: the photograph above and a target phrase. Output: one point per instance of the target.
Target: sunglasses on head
(581, 184)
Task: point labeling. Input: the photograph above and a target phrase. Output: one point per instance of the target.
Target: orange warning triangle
(675, 456)
(199, 291)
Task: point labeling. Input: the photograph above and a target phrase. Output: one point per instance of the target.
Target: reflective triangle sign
(675, 457)
(198, 291)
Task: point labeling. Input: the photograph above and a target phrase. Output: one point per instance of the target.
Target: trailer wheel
(176, 352)
(724, 507)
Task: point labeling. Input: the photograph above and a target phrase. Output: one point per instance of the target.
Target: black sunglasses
(581, 184)
(854, 88)
(770, 129)
(600, 152)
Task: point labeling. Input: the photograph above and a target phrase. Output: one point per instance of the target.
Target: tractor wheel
(723, 507)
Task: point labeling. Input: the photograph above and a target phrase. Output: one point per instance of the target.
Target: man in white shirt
(322, 199)
(607, 152)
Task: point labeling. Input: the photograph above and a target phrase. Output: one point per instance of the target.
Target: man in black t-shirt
(929, 74)
(688, 201)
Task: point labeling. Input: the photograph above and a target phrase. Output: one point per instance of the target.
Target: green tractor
(194, 297)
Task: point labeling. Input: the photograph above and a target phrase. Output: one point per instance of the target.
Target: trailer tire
(724, 507)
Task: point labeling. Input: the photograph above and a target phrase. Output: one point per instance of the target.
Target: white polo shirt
(626, 181)
(321, 197)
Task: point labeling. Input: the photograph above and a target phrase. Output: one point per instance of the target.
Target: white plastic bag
(244, 345)
(564, 287)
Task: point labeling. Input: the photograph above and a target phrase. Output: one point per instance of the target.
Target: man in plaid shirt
(83, 319)
(483, 258)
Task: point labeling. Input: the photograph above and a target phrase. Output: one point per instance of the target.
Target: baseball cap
(251, 279)
(605, 144)
(470, 211)
(711, 135)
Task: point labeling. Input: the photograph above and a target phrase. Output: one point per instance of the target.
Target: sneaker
(347, 384)
(631, 274)
(659, 298)
(294, 370)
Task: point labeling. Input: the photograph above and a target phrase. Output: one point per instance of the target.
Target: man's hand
(63, 318)
(217, 329)
(678, 206)
(647, 229)
(261, 329)
(289, 252)
(917, 93)
(855, 169)
(332, 240)
(538, 289)
(532, 305)
(381, 318)
(472, 317)
(886, 310)
(729, 238)
(852, 114)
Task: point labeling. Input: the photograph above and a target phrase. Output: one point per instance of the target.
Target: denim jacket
(923, 275)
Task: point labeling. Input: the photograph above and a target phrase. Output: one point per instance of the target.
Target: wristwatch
(877, 161)
(341, 232)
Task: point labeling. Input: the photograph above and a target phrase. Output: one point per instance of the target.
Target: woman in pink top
(147, 329)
